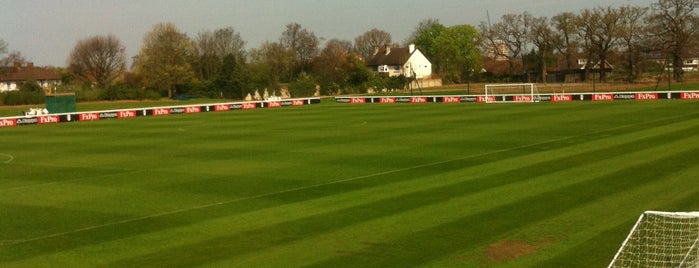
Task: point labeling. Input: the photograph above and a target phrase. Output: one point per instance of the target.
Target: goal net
(525, 92)
(661, 239)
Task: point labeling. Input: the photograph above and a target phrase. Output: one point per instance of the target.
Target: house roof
(395, 56)
(18, 73)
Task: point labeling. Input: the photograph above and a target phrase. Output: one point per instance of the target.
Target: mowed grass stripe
(266, 153)
(534, 159)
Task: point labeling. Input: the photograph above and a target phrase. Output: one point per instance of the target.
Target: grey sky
(45, 31)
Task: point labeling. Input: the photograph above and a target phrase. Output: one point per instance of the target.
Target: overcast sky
(45, 31)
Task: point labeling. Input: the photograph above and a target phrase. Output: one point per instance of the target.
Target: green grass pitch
(331, 185)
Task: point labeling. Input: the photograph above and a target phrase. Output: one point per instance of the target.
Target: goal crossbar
(517, 92)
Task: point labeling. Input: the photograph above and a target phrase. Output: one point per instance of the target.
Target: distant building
(497, 50)
(395, 61)
(12, 77)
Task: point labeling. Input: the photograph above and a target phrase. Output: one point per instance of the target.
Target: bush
(21, 98)
(304, 86)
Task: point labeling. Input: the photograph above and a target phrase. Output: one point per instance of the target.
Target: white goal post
(661, 239)
(522, 92)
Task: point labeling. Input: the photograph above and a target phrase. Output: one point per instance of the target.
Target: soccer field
(340, 185)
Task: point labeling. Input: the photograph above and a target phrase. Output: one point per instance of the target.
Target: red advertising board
(451, 99)
(689, 95)
(126, 114)
(646, 96)
(418, 99)
(357, 100)
(161, 111)
(8, 122)
(48, 119)
(602, 97)
(561, 98)
(193, 109)
(387, 100)
(249, 105)
(222, 107)
(89, 116)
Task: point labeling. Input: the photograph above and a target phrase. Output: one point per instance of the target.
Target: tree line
(216, 64)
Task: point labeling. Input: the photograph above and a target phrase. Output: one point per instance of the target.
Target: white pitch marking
(9, 158)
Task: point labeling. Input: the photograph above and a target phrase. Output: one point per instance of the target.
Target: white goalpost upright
(521, 92)
(661, 239)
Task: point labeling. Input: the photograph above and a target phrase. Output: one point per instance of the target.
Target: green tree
(424, 36)
(164, 60)
(457, 46)
(213, 46)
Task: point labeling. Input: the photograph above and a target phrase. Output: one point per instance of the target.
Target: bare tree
(164, 60)
(3, 47)
(545, 39)
(98, 59)
(303, 43)
(672, 27)
(630, 38)
(600, 29)
(564, 23)
(367, 43)
(512, 32)
(422, 26)
(12, 58)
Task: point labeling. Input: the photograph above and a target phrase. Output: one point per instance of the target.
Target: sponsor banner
(602, 97)
(418, 99)
(522, 98)
(236, 106)
(248, 106)
(689, 95)
(274, 104)
(222, 107)
(387, 100)
(177, 110)
(160, 111)
(298, 103)
(342, 100)
(8, 122)
(192, 109)
(646, 96)
(48, 119)
(402, 99)
(451, 99)
(357, 100)
(561, 98)
(483, 99)
(468, 98)
(624, 96)
(27, 121)
(125, 114)
(88, 117)
(544, 98)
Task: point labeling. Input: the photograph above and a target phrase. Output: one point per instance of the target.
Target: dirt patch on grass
(509, 250)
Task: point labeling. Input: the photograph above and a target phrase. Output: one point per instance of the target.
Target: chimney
(411, 48)
(16, 65)
(30, 65)
(376, 50)
(388, 49)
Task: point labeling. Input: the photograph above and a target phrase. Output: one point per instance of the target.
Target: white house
(395, 61)
(12, 77)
